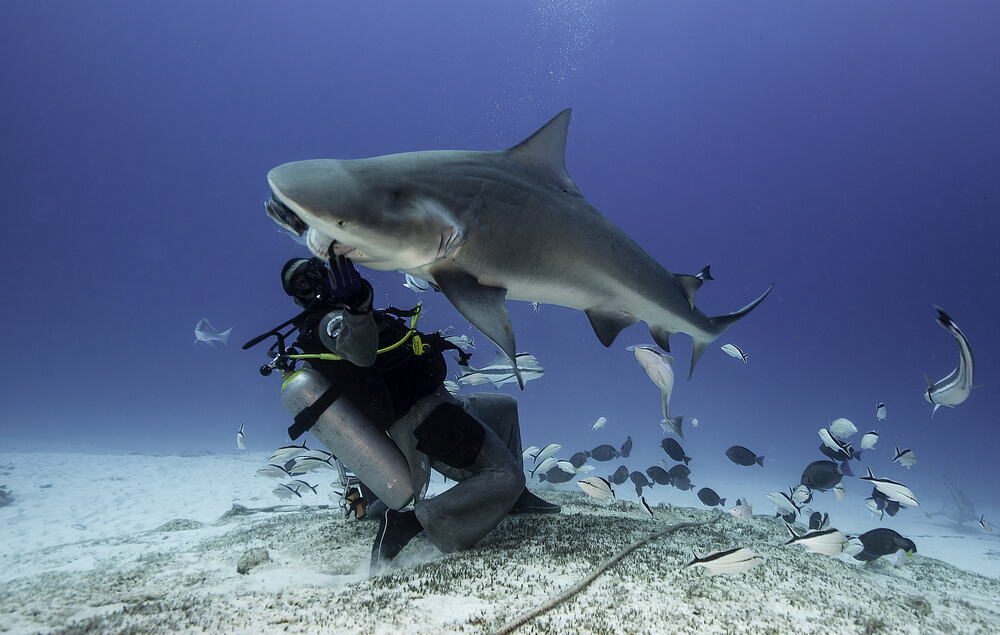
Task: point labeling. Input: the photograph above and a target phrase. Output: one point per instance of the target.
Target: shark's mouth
(285, 217)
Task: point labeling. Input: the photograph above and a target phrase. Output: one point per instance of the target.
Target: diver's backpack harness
(284, 359)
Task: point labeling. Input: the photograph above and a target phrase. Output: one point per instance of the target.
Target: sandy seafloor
(142, 543)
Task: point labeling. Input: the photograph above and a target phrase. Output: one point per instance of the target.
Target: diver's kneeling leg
(490, 479)
(498, 412)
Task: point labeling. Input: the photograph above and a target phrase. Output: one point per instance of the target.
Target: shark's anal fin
(608, 324)
(661, 336)
(483, 307)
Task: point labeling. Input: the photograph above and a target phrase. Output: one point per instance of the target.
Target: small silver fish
(842, 428)
(241, 442)
(955, 388)
(285, 492)
(287, 453)
(868, 441)
(310, 462)
(451, 386)
(694, 423)
(783, 502)
(299, 485)
(853, 546)
(415, 285)
(985, 526)
(893, 491)
(274, 471)
(500, 371)
(206, 333)
(829, 542)
(728, 562)
(741, 510)
(473, 379)
(545, 466)
(839, 491)
(547, 451)
(530, 452)
(880, 411)
(599, 423)
(906, 457)
(566, 466)
(734, 351)
(834, 444)
(462, 341)
(801, 495)
(596, 487)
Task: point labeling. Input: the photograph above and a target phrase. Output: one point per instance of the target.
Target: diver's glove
(348, 287)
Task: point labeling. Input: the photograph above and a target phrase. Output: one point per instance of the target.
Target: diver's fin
(483, 307)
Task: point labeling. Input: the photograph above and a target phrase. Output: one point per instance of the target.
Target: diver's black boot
(528, 503)
(394, 531)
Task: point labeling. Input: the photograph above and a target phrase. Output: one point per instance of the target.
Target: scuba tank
(368, 452)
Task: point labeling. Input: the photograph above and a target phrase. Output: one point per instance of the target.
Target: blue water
(847, 152)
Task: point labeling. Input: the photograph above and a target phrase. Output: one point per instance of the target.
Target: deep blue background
(849, 152)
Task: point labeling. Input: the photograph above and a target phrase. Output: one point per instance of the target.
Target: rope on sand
(524, 618)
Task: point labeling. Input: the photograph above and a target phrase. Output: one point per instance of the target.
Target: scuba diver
(372, 392)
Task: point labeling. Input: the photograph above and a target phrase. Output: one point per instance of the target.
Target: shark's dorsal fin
(546, 150)
(689, 284)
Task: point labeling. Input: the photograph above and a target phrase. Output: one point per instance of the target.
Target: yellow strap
(419, 348)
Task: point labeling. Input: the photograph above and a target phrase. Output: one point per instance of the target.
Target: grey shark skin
(955, 388)
(489, 226)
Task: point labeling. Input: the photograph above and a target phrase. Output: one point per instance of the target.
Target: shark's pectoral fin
(930, 382)
(608, 324)
(482, 306)
(661, 336)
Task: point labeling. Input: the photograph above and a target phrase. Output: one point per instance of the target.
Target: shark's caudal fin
(720, 324)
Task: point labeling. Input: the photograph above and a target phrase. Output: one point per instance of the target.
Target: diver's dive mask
(305, 279)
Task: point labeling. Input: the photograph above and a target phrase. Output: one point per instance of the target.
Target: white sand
(84, 549)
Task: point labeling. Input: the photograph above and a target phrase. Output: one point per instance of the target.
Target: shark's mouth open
(319, 243)
(285, 217)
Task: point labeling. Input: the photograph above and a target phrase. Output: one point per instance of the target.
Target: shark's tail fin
(720, 324)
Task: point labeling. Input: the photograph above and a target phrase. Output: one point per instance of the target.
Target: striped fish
(955, 388)
(893, 491)
(500, 371)
(728, 562)
(829, 542)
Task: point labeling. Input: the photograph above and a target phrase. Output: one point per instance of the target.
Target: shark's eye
(341, 223)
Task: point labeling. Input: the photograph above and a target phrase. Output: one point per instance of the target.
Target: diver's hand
(344, 278)
(348, 286)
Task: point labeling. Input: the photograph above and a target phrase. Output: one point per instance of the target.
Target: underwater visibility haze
(845, 152)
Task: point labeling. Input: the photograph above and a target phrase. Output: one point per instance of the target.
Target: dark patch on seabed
(185, 580)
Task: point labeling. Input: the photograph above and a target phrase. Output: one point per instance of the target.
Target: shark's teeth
(318, 243)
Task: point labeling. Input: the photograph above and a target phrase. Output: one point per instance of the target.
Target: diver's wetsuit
(403, 393)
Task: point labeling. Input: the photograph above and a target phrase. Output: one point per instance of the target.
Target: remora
(489, 226)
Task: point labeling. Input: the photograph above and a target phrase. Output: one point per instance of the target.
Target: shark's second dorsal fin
(546, 149)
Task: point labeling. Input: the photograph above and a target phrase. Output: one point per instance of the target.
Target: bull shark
(488, 226)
